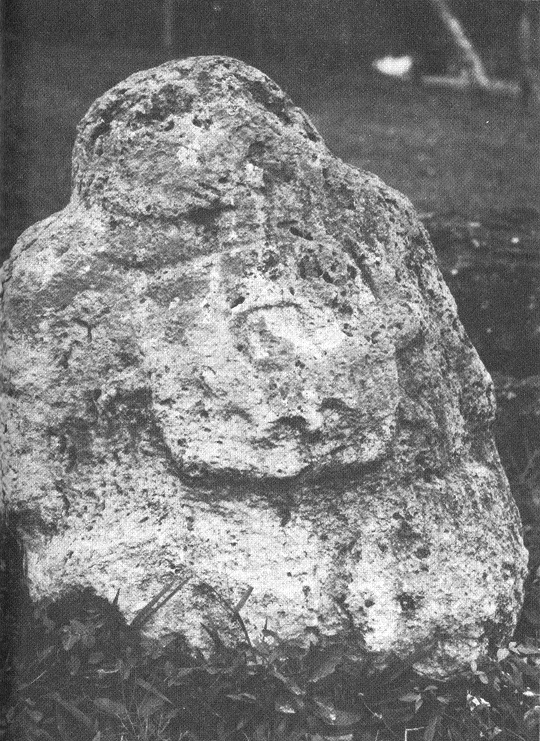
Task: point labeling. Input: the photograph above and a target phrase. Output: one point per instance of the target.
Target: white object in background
(394, 66)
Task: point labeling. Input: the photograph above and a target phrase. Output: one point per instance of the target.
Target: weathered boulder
(232, 358)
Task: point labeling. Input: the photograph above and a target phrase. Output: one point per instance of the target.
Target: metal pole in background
(471, 59)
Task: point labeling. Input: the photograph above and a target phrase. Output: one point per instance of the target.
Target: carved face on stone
(279, 364)
(222, 303)
(272, 357)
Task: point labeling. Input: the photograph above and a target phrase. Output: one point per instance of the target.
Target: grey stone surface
(232, 358)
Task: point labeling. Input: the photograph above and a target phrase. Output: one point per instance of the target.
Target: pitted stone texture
(232, 358)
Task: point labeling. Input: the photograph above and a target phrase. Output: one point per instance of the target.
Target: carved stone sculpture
(232, 360)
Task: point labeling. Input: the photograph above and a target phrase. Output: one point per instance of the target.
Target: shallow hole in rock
(293, 422)
(301, 233)
(255, 151)
(333, 404)
(237, 301)
(408, 602)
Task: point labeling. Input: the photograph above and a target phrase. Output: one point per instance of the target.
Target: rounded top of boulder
(142, 144)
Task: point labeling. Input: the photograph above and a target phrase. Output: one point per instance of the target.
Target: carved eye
(237, 301)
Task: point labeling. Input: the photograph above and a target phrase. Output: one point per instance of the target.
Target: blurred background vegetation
(333, 33)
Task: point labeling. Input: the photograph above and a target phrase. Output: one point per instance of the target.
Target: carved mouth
(228, 481)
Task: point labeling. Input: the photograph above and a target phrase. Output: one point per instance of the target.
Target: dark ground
(470, 163)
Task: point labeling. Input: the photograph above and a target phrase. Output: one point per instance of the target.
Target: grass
(81, 673)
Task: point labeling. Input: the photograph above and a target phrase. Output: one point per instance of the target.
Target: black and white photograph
(270, 370)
